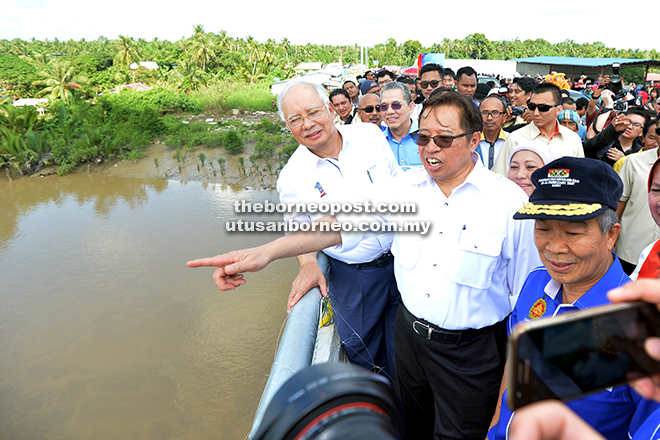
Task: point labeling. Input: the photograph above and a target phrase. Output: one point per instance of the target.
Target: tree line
(55, 68)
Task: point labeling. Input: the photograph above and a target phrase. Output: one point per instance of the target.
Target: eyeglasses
(384, 81)
(314, 114)
(542, 107)
(425, 84)
(494, 113)
(637, 125)
(370, 108)
(395, 106)
(441, 141)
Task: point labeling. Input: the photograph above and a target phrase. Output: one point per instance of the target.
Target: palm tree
(128, 54)
(59, 80)
(202, 46)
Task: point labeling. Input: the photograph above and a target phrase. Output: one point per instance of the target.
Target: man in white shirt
(343, 164)
(458, 283)
(545, 106)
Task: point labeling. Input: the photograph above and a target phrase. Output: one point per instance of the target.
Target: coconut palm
(59, 80)
(128, 54)
(202, 49)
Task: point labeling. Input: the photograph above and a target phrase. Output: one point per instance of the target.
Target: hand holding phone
(645, 290)
(580, 353)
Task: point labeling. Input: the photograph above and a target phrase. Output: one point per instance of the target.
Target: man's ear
(612, 235)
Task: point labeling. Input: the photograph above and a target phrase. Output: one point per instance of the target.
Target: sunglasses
(542, 107)
(441, 141)
(657, 131)
(425, 84)
(370, 108)
(395, 106)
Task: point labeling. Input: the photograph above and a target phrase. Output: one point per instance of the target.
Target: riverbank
(162, 162)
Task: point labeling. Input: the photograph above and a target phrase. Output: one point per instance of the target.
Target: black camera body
(332, 401)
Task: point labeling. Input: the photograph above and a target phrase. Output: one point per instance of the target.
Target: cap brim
(571, 212)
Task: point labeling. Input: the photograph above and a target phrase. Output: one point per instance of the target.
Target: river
(106, 334)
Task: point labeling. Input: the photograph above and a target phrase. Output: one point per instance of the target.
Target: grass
(224, 96)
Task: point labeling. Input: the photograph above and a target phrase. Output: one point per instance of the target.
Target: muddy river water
(106, 334)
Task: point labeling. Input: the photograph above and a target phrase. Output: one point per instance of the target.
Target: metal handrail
(296, 348)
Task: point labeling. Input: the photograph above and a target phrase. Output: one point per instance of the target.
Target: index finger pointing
(206, 262)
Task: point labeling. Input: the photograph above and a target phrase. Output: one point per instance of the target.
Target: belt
(434, 333)
(381, 261)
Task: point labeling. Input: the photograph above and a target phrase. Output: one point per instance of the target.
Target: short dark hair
(337, 92)
(638, 111)
(527, 84)
(581, 103)
(468, 113)
(545, 87)
(383, 73)
(449, 72)
(348, 81)
(649, 123)
(467, 71)
(499, 98)
(569, 101)
(432, 67)
(405, 80)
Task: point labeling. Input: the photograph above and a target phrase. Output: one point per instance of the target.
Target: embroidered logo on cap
(538, 309)
(558, 177)
(320, 188)
(559, 172)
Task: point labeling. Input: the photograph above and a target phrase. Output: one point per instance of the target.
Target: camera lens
(332, 401)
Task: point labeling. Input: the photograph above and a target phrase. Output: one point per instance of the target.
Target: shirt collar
(597, 295)
(553, 135)
(500, 135)
(310, 159)
(413, 128)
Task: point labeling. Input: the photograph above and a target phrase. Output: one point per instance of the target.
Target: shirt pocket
(477, 259)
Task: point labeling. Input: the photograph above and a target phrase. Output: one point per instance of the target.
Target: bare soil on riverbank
(162, 163)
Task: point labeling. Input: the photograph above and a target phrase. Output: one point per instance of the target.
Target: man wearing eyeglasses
(396, 109)
(544, 106)
(369, 109)
(618, 140)
(431, 76)
(342, 164)
(458, 283)
(493, 112)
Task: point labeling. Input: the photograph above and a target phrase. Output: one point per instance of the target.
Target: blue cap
(367, 85)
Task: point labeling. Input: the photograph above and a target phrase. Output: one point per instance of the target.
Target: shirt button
(446, 204)
(476, 246)
(435, 264)
(440, 232)
(428, 295)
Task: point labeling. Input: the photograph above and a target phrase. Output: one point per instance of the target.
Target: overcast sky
(333, 23)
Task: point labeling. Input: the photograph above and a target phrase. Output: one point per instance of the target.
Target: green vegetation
(207, 72)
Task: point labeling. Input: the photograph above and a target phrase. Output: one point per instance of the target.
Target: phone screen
(574, 356)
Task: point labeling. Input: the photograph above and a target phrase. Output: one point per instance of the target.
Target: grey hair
(606, 220)
(323, 95)
(397, 86)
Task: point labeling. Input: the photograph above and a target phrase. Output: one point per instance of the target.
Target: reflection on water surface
(105, 333)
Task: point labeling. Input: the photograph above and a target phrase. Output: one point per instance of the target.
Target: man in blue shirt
(574, 206)
(396, 108)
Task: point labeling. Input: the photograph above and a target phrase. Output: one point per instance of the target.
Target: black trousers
(448, 391)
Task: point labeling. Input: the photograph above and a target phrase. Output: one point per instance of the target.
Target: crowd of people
(540, 204)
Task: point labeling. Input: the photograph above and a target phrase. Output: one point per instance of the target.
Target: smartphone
(576, 354)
